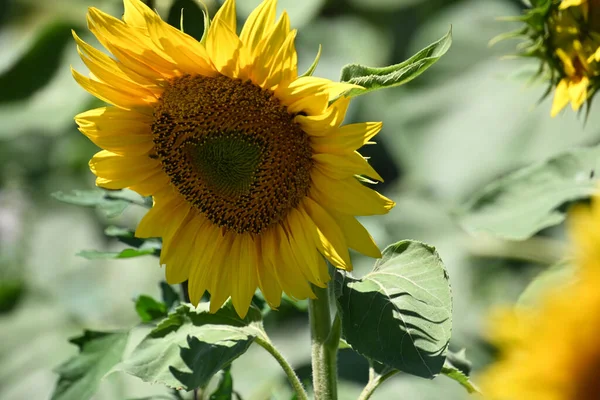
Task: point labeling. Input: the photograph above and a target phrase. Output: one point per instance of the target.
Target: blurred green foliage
(471, 118)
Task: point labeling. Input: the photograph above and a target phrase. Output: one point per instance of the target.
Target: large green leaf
(80, 376)
(191, 345)
(528, 200)
(111, 202)
(400, 314)
(371, 78)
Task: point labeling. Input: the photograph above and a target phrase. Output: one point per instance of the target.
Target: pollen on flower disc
(232, 150)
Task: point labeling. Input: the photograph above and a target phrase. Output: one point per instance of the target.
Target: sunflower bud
(565, 37)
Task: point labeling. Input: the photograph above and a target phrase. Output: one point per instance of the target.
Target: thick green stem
(324, 341)
(287, 368)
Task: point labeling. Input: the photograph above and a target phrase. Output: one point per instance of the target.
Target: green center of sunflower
(232, 150)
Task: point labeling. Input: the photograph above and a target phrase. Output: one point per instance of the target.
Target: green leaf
(169, 296)
(527, 201)
(459, 360)
(456, 374)
(400, 314)
(557, 275)
(225, 389)
(371, 78)
(20, 81)
(80, 376)
(109, 255)
(11, 292)
(112, 203)
(150, 309)
(191, 345)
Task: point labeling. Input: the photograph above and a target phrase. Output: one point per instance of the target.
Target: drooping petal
(221, 277)
(357, 237)
(302, 234)
(331, 242)
(290, 275)
(578, 92)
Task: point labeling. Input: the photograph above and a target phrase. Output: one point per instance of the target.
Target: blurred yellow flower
(552, 351)
(252, 174)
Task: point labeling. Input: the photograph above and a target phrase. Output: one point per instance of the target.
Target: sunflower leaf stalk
(324, 343)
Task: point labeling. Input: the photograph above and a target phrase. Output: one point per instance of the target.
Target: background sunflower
(445, 135)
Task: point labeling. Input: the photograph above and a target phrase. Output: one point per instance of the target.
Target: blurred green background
(469, 119)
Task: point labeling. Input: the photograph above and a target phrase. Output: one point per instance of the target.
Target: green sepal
(314, 64)
(370, 78)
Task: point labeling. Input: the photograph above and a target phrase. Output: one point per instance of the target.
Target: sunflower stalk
(324, 340)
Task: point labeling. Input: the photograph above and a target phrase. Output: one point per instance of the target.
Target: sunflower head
(254, 177)
(565, 37)
(551, 351)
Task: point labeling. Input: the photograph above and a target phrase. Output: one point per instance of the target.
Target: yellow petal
(331, 241)
(112, 95)
(177, 254)
(135, 11)
(135, 50)
(301, 234)
(262, 57)
(258, 24)
(285, 64)
(321, 124)
(357, 237)
(567, 62)
(121, 132)
(289, 274)
(226, 16)
(208, 243)
(344, 166)
(561, 97)
(348, 196)
(244, 279)
(346, 139)
(267, 278)
(220, 278)
(578, 92)
(117, 172)
(564, 4)
(112, 73)
(164, 218)
(190, 56)
(224, 49)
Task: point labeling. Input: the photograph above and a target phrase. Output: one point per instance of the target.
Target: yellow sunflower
(552, 352)
(577, 44)
(254, 179)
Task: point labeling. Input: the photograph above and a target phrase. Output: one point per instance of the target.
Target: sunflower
(576, 41)
(255, 181)
(552, 352)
